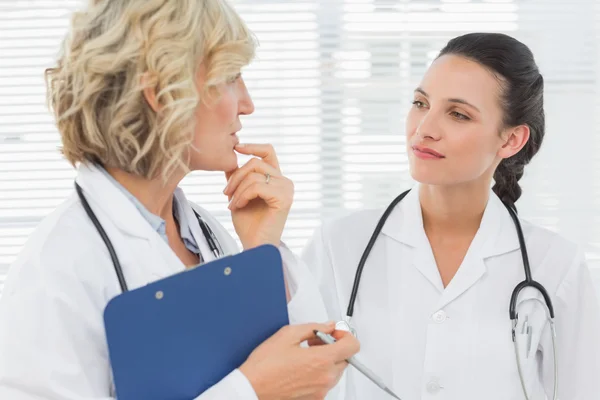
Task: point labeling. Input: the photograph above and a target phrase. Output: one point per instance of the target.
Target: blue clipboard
(176, 337)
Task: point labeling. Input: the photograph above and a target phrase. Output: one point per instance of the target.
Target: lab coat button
(433, 387)
(439, 316)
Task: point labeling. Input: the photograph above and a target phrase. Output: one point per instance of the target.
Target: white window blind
(332, 85)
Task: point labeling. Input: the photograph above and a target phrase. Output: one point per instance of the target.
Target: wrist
(254, 380)
(250, 244)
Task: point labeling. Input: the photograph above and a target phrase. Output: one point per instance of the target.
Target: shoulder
(60, 252)
(550, 243)
(547, 238)
(352, 223)
(345, 233)
(551, 254)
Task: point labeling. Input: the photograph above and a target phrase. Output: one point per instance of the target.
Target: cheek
(226, 110)
(412, 122)
(473, 149)
(217, 119)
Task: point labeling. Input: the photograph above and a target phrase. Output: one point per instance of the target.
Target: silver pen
(328, 339)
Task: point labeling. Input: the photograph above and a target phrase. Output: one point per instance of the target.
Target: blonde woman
(144, 92)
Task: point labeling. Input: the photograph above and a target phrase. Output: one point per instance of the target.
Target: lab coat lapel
(469, 273)
(496, 236)
(405, 225)
(115, 211)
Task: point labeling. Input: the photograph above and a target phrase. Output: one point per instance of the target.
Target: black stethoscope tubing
(213, 243)
(528, 282)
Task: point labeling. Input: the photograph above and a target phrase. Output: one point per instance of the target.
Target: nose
(428, 127)
(246, 105)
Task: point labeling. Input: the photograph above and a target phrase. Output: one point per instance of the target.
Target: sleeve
(52, 342)
(51, 332)
(306, 304)
(317, 257)
(312, 276)
(234, 386)
(577, 320)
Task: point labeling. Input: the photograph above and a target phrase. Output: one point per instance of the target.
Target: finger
(228, 174)
(345, 347)
(254, 190)
(338, 334)
(299, 333)
(264, 151)
(254, 165)
(338, 371)
(339, 368)
(249, 180)
(315, 342)
(273, 193)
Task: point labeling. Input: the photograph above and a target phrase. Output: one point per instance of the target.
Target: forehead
(452, 76)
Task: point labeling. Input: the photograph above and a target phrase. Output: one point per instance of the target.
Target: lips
(427, 151)
(236, 139)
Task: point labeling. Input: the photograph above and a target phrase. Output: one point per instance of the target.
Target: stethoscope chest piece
(345, 326)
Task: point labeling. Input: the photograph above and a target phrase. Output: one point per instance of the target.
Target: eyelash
(458, 116)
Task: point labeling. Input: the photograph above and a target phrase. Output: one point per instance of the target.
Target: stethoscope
(528, 282)
(213, 243)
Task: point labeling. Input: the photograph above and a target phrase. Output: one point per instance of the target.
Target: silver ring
(268, 177)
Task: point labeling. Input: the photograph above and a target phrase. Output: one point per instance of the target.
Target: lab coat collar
(496, 236)
(499, 235)
(405, 223)
(106, 198)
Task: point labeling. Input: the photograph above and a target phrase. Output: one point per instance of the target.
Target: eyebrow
(452, 100)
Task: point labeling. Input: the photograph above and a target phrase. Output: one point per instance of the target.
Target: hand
(281, 369)
(259, 209)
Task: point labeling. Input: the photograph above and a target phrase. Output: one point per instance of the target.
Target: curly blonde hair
(96, 90)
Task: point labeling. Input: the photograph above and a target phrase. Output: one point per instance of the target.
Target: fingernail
(225, 190)
(230, 203)
(240, 145)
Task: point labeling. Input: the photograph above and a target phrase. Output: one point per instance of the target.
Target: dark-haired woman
(432, 307)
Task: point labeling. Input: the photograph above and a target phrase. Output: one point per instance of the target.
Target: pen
(529, 333)
(328, 339)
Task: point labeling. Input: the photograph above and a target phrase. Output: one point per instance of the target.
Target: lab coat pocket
(527, 358)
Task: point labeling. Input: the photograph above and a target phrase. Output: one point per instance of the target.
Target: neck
(154, 194)
(456, 209)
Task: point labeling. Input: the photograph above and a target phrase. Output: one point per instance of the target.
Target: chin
(226, 164)
(446, 178)
(218, 162)
(430, 176)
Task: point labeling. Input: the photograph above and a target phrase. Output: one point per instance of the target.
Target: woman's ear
(515, 139)
(149, 88)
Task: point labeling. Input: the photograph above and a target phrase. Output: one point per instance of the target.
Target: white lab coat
(431, 343)
(52, 343)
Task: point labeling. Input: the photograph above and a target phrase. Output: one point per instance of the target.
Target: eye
(459, 116)
(419, 104)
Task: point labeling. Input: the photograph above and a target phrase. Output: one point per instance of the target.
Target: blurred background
(332, 84)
